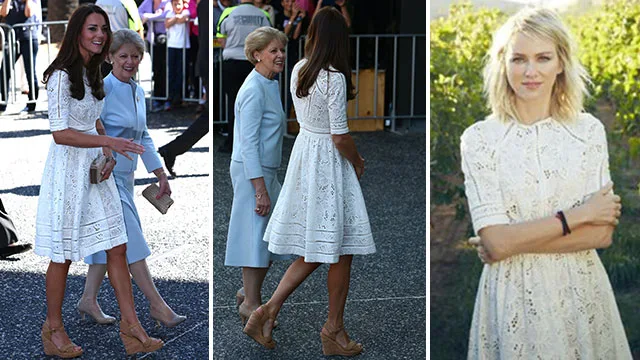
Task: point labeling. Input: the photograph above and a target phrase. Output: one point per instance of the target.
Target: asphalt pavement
(179, 242)
(386, 304)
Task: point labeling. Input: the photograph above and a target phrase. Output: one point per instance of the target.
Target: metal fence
(8, 41)
(389, 94)
(379, 55)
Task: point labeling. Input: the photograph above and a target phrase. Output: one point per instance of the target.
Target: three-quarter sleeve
(59, 95)
(251, 106)
(602, 152)
(337, 103)
(150, 156)
(482, 186)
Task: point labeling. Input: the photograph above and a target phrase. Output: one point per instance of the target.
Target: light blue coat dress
(124, 115)
(257, 152)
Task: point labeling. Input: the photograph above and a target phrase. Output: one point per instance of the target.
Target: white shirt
(118, 18)
(178, 34)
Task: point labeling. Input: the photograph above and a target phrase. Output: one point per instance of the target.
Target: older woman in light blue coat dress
(124, 115)
(257, 153)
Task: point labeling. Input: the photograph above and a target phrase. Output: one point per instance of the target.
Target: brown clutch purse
(161, 204)
(96, 168)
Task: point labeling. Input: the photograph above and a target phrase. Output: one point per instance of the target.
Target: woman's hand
(108, 168)
(163, 180)
(122, 146)
(164, 187)
(341, 3)
(483, 254)
(603, 207)
(263, 203)
(359, 167)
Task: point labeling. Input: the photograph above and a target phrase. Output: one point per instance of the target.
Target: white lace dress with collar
(75, 218)
(320, 213)
(539, 306)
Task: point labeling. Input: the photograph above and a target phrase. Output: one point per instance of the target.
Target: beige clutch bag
(161, 204)
(96, 168)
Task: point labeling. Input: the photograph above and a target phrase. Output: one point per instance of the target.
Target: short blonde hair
(570, 88)
(126, 36)
(259, 38)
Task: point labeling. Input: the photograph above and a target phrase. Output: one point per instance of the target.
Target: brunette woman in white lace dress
(320, 214)
(539, 191)
(76, 218)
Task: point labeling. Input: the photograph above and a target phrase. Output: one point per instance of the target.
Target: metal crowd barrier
(8, 41)
(393, 46)
(185, 96)
(7, 51)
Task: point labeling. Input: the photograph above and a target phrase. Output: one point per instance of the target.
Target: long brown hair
(327, 45)
(70, 60)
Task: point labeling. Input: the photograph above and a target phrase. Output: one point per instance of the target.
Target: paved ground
(179, 241)
(386, 303)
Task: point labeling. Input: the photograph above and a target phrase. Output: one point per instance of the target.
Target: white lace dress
(75, 218)
(320, 213)
(539, 306)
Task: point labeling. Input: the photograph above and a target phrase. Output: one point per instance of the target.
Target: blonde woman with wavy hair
(541, 201)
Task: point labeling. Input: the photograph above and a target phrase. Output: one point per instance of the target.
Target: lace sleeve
(599, 153)
(59, 95)
(337, 103)
(481, 183)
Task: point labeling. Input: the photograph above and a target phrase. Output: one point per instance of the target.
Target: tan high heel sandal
(330, 346)
(254, 327)
(132, 344)
(66, 351)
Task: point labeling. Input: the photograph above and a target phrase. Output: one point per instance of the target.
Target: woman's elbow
(607, 238)
(59, 137)
(340, 140)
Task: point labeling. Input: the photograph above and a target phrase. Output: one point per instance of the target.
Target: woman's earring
(258, 60)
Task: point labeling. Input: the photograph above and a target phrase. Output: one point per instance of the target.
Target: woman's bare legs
(121, 282)
(252, 279)
(159, 309)
(338, 286)
(56, 283)
(297, 272)
(140, 271)
(89, 301)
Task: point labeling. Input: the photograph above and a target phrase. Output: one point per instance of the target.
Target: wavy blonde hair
(570, 87)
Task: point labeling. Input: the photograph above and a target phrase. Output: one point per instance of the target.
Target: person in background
(235, 24)
(266, 6)
(153, 13)
(293, 21)
(8, 236)
(340, 5)
(177, 24)
(200, 127)
(21, 12)
(123, 14)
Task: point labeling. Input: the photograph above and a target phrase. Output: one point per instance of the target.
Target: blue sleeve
(250, 107)
(150, 156)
